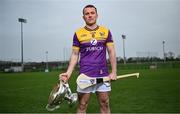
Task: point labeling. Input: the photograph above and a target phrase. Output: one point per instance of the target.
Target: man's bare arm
(112, 58)
(72, 63)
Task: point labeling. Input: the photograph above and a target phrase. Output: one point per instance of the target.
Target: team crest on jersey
(92, 81)
(93, 41)
(93, 34)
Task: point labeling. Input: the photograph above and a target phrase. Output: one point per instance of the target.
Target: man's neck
(92, 27)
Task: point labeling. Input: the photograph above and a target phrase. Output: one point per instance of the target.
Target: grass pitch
(155, 91)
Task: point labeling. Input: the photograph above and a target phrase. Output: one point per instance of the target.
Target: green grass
(155, 91)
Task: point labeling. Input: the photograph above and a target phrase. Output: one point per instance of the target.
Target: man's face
(90, 16)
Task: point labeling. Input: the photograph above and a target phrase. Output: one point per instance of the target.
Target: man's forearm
(73, 62)
(113, 63)
(112, 58)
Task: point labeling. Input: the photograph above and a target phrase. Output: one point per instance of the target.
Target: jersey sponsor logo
(93, 41)
(99, 48)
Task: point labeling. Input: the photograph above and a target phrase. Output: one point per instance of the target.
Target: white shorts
(101, 87)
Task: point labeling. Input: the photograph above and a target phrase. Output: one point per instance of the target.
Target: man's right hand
(64, 77)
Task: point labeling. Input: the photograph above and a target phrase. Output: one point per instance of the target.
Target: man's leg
(103, 98)
(83, 99)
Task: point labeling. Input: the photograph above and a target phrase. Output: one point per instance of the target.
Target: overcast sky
(51, 24)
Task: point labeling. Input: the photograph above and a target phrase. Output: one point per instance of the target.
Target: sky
(51, 25)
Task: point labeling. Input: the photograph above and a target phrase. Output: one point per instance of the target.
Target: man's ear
(83, 17)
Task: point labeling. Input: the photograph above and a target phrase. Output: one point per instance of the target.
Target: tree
(170, 55)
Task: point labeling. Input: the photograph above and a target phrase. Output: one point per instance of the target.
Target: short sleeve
(109, 40)
(76, 43)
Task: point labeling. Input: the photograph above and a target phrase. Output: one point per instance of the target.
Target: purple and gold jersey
(92, 47)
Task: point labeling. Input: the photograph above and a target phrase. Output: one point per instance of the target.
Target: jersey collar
(88, 29)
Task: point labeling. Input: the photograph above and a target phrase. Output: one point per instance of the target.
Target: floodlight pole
(21, 20)
(164, 51)
(124, 37)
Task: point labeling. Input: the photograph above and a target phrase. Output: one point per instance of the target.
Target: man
(91, 43)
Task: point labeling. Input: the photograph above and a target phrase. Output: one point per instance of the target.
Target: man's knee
(104, 103)
(83, 102)
(83, 105)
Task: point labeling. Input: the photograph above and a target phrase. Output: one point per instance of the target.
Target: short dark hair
(89, 6)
